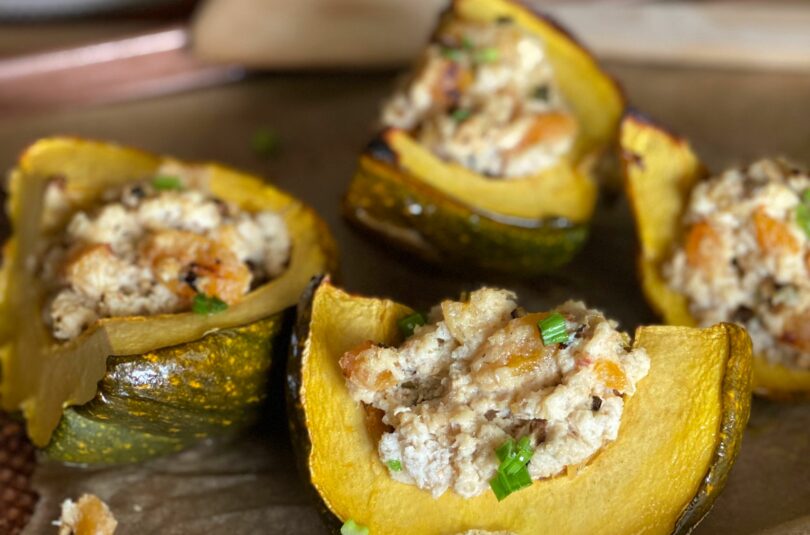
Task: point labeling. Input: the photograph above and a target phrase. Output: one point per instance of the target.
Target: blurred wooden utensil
(226, 36)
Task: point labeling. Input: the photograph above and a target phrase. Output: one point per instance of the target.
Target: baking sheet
(248, 484)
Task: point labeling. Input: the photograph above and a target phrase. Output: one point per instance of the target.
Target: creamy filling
(153, 247)
(479, 374)
(484, 96)
(745, 257)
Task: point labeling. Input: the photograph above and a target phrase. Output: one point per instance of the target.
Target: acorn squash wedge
(130, 388)
(443, 211)
(678, 439)
(660, 170)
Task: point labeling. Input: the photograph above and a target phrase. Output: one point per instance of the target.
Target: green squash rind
(163, 401)
(440, 229)
(298, 431)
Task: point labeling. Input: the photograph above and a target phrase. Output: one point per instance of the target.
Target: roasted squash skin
(447, 213)
(680, 434)
(660, 170)
(132, 388)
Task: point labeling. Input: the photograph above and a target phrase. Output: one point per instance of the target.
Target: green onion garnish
(553, 330)
(453, 54)
(803, 218)
(394, 464)
(467, 43)
(541, 92)
(350, 527)
(512, 474)
(460, 114)
(208, 304)
(408, 324)
(265, 142)
(166, 182)
(486, 55)
(803, 213)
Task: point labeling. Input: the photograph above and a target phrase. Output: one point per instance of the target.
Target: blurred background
(57, 53)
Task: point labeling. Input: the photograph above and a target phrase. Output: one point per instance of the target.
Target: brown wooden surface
(249, 485)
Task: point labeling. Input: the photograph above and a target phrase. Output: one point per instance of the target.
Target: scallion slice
(512, 474)
(408, 324)
(803, 214)
(453, 54)
(265, 142)
(461, 114)
(486, 55)
(394, 464)
(553, 329)
(803, 218)
(208, 304)
(350, 527)
(540, 92)
(166, 182)
(500, 486)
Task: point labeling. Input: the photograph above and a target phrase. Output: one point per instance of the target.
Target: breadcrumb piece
(88, 516)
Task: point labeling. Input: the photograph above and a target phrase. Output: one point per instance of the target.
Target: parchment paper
(249, 484)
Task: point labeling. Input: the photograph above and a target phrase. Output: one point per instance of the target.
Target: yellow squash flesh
(679, 435)
(660, 170)
(41, 377)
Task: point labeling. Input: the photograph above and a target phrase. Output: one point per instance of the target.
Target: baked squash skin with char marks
(443, 211)
(660, 170)
(131, 388)
(679, 436)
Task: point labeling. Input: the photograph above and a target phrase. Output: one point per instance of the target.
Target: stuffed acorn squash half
(487, 152)
(483, 416)
(142, 297)
(732, 247)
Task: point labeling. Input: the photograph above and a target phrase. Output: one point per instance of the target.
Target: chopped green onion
(460, 115)
(208, 304)
(512, 474)
(803, 213)
(500, 486)
(265, 142)
(453, 54)
(803, 218)
(408, 324)
(486, 55)
(506, 450)
(467, 43)
(350, 527)
(541, 92)
(553, 329)
(166, 182)
(503, 485)
(394, 464)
